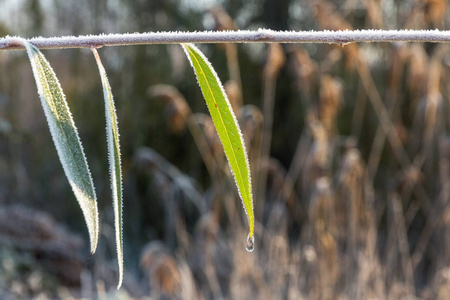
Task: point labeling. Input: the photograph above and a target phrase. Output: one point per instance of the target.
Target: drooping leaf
(115, 169)
(227, 128)
(66, 139)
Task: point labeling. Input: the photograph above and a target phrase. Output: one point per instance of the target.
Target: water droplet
(250, 243)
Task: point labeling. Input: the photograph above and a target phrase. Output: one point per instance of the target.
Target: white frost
(65, 137)
(241, 36)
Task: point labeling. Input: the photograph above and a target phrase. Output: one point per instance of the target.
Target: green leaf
(65, 137)
(115, 169)
(227, 127)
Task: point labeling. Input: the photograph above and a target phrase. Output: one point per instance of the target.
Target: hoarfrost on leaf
(115, 170)
(65, 137)
(226, 125)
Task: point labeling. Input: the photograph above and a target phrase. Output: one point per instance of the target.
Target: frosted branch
(258, 36)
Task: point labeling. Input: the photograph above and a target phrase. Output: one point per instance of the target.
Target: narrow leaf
(227, 127)
(65, 137)
(115, 169)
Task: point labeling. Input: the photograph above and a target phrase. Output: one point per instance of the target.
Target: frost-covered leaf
(227, 127)
(115, 170)
(65, 137)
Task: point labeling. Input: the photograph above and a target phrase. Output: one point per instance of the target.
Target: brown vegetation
(349, 149)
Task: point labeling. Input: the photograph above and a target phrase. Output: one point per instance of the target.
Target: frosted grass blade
(228, 129)
(66, 139)
(115, 169)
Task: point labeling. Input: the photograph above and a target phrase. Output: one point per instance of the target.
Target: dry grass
(343, 222)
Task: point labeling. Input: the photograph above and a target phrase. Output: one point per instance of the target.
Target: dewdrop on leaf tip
(250, 243)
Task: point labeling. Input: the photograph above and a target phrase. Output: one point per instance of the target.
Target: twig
(257, 36)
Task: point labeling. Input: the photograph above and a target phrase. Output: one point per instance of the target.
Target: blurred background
(349, 149)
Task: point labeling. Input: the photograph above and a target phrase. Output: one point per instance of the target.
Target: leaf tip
(119, 285)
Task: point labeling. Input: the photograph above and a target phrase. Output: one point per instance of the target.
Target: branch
(258, 36)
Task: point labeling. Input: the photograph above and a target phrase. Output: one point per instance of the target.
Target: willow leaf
(115, 169)
(65, 137)
(227, 128)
